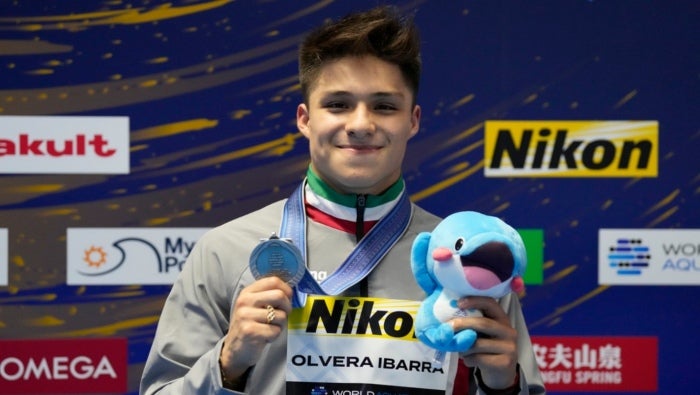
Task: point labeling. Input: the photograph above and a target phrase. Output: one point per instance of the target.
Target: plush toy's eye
(459, 244)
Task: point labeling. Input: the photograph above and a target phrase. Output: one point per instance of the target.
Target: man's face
(358, 121)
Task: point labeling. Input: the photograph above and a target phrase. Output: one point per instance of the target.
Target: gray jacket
(184, 355)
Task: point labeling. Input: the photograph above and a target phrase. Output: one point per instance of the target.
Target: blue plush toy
(467, 254)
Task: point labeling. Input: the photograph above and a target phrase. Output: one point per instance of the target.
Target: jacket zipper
(360, 222)
(361, 202)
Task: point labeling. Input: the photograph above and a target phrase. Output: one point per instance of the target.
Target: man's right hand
(254, 324)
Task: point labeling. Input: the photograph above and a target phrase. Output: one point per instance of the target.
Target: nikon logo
(350, 316)
(571, 149)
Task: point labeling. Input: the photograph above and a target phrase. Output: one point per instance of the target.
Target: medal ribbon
(363, 258)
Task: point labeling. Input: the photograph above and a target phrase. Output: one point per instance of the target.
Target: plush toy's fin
(419, 263)
(517, 285)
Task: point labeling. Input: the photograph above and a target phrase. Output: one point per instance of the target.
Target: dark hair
(379, 32)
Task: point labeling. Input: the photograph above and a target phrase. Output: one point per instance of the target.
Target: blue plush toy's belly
(445, 308)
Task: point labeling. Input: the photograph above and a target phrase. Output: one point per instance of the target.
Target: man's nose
(360, 121)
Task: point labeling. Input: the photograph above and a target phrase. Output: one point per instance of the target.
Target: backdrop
(210, 91)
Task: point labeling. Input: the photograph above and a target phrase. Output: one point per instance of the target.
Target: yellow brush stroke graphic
(561, 274)
(32, 298)
(665, 201)
(59, 212)
(470, 131)
(31, 47)
(164, 160)
(446, 183)
(462, 101)
(172, 129)
(563, 309)
(625, 99)
(41, 188)
(467, 149)
(47, 320)
(275, 147)
(115, 93)
(664, 216)
(112, 329)
(132, 16)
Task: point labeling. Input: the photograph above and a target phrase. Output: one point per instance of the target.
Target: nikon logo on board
(571, 148)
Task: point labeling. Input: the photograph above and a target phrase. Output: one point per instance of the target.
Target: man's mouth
(361, 148)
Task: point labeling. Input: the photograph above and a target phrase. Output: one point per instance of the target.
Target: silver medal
(277, 257)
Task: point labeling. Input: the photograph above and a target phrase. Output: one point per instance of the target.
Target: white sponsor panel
(571, 364)
(338, 342)
(64, 145)
(4, 253)
(649, 256)
(124, 256)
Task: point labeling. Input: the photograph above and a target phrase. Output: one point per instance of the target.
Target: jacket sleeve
(185, 352)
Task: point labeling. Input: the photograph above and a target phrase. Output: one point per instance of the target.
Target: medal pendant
(277, 257)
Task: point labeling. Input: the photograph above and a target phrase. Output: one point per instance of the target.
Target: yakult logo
(81, 145)
(63, 366)
(61, 144)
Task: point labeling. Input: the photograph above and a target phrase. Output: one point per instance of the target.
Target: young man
(221, 330)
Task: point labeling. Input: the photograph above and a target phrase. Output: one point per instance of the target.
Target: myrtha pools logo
(96, 257)
(122, 256)
(629, 256)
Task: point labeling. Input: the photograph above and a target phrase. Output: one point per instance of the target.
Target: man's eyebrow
(388, 94)
(335, 93)
(373, 95)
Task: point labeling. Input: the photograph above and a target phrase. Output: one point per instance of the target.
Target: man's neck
(324, 190)
(352, 213)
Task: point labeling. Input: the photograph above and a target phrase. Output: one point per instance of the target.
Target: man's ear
(415, 120)
(303, 119)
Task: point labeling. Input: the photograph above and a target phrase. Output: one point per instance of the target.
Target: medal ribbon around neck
(363, 258)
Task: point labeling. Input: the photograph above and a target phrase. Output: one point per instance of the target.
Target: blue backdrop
(210, 89)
